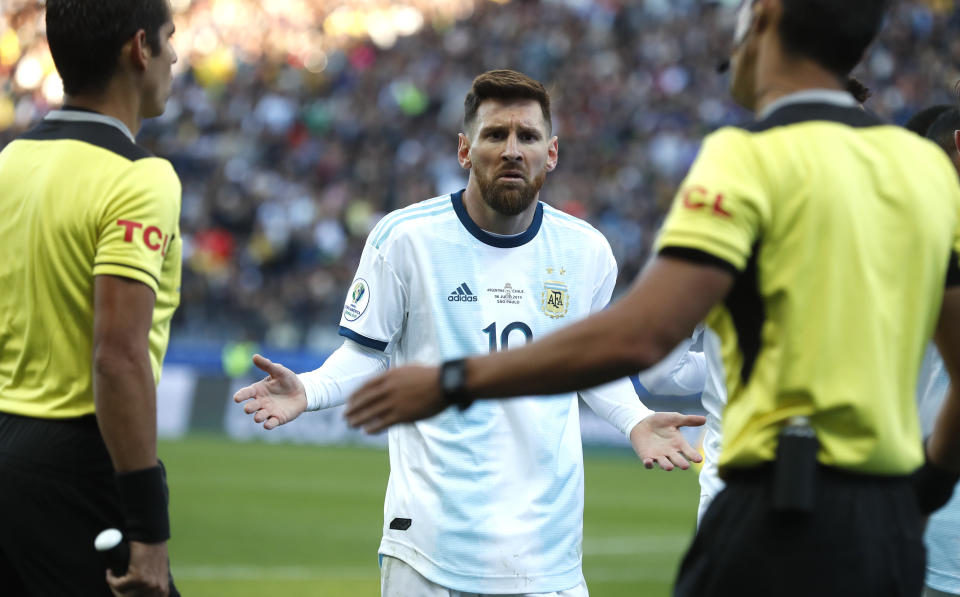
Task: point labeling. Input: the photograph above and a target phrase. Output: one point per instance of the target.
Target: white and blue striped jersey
(490, 499)
(942, 536)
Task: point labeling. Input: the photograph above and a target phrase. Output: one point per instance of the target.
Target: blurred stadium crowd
(296, 124)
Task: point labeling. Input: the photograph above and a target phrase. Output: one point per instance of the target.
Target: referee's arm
(944, 444)
(126, 407)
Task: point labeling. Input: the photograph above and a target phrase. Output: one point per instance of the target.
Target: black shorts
(57, 492)
(864, 538)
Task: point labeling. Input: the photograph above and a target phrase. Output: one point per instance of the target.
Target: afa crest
(555, 299)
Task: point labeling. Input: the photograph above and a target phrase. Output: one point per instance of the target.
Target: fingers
(360, 400)
(679, 461)
(374, 417)
(245, 393)
(252, 406)
(271, 423)
(268, 366)
(665, 463)
(690, 453)
(691, 421)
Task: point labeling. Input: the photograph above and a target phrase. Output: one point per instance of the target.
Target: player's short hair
(942, 130)
(834, 34)
(505, 85)
(86, 36)
(921, 121)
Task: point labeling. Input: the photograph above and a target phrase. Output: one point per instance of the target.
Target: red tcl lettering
(130, 226)
(153, 237)
(696, 197)
(151, 231)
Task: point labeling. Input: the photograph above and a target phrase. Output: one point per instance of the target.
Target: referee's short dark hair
(86, 36)
(942, 131)
(833, 33)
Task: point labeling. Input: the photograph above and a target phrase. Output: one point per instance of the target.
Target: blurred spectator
(296, 125)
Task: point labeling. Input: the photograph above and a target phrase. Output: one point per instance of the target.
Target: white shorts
(398, 579)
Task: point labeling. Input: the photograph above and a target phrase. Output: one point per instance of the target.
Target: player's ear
(463, 151)
(553, 149)
(956, 139)
(765, 12)
(138, 50)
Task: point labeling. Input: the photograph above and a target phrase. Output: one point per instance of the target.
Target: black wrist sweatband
(144, 497)
(933, 486)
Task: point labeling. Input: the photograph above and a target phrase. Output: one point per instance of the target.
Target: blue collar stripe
(485, 237)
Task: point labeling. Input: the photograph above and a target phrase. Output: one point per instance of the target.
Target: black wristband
(933, 486)
(453, 380)
(144, 497)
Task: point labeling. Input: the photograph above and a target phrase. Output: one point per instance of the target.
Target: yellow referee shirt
(841, 232)
(78, 198)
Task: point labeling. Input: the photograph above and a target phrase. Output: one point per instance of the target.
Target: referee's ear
(140, 53)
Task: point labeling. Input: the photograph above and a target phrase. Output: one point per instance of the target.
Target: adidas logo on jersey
(462, 294)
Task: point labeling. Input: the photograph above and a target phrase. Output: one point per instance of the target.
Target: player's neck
(491, 220)
(783, 76)
(123, 107)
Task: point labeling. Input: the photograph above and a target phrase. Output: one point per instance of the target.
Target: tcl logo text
(153, 237)
(696, 198)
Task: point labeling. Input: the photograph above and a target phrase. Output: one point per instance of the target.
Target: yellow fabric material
(71, 210)
(842, 236)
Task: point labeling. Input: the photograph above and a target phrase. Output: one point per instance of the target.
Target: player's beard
(509, 199)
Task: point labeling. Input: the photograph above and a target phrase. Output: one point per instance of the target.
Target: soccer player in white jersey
(486, 498)
(943, 527)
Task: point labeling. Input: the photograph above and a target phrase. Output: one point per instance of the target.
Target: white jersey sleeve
(683, 372)
(376, 304)
(341, 374)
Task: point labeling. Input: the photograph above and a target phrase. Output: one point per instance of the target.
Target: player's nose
(511, 149)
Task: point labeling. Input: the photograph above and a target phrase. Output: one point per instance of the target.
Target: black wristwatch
(453, 381)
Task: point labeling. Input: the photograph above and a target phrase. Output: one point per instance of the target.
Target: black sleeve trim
(699, 257)
(363, 340)
(139, 269)
(953, 270)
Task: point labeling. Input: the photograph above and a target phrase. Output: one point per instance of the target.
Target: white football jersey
(714, 400)
(942, 536)
(490, 499)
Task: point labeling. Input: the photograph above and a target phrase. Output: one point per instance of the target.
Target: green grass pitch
(258, 520)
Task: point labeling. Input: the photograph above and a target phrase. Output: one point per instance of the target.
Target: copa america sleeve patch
(357, 300)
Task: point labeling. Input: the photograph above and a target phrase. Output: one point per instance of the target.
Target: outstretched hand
(400, 395)
(276, 399)
(658, 440)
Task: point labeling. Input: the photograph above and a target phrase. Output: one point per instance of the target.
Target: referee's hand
(148, 574)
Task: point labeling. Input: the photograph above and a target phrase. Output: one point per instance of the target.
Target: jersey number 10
(491, 331)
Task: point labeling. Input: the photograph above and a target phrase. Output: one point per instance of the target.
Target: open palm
(276, 399)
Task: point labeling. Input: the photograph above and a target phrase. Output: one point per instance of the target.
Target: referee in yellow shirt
(817, 245)
(90, 279)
